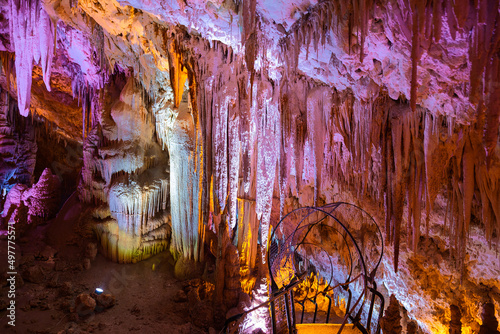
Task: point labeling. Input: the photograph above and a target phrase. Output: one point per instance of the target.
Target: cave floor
(53, 275)
(144, 300)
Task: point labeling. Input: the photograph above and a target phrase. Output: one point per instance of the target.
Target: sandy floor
(144, 291)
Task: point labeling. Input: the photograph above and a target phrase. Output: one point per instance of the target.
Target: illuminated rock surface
(202, 123)
(125, 171)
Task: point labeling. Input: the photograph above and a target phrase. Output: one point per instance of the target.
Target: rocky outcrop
(42, 201)
(44, 198)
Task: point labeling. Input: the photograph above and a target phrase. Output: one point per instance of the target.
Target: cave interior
(244, 166)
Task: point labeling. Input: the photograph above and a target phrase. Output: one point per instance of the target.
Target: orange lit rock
(391, 322)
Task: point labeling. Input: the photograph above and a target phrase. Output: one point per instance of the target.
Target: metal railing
(338, 241)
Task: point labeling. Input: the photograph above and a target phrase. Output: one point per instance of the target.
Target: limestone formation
(44, 198)
(18, 147)
(132, 183)
(232, 279)
(203, 123)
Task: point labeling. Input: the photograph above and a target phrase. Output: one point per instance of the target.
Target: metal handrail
(286, 249)
(298, 279)
(350, 237)
(338, 204)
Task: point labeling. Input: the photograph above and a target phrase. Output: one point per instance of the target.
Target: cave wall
(265, 107)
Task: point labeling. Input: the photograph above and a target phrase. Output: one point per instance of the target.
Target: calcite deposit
(196, 126)
(124, 170)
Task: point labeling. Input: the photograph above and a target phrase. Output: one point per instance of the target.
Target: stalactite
(418, 186)
(249, 37)
(21, 31)
(299, 111)
(31, 31)
(397, 188)
(132, 203)
(178, 73)
(267, 157)
(316, 134)
(233, 163)
(286, 143)
(240, 136)
(437, 19)
(248, 229)
(433, 172)
(388, 192)
(492, 79)
(186, 174)
(47, 38)
(415, 53)
(468, 182)
(220, 147)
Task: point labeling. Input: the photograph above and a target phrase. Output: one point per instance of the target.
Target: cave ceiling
(316, 34)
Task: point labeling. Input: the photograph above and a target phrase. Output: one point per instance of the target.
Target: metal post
(273, 317)
(288, 315)
(329, 307)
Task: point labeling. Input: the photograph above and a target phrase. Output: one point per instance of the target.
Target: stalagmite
(44, 198)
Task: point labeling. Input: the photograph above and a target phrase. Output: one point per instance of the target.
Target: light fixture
(98, 291)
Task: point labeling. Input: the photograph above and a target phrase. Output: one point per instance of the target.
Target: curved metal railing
(339, 242)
